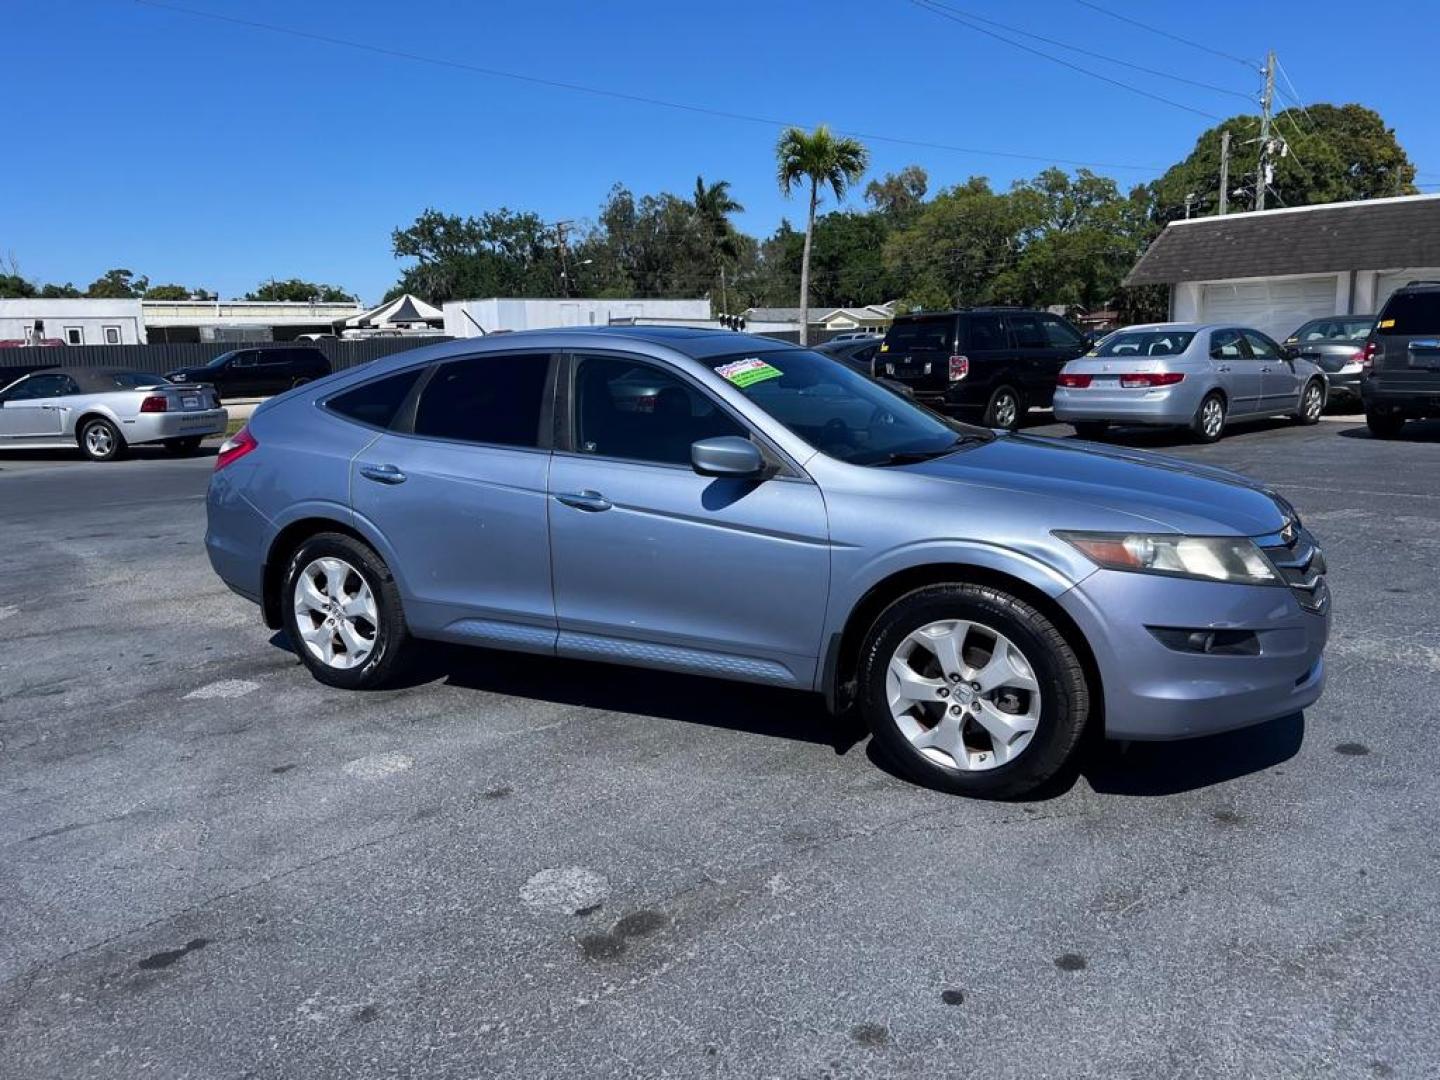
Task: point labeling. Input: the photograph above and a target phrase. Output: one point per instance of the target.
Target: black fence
(162, 357)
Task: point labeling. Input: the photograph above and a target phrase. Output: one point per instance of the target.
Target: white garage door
(1387, 283)
(1276, 307)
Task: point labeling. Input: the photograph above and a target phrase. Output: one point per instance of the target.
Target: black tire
(392, 649)
(1065, 693)
(1204, 430)
(1307, 411)
(1092, 429)
(1005, 408)
(183, 447)
(100, 440)
(1384, 425)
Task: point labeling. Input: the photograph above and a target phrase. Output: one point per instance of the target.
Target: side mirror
(726, 455)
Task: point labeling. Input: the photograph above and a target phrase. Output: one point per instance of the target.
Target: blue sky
(218, 155)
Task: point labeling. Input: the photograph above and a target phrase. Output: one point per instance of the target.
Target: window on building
(112, 335)
(74, 335)
(485, 399)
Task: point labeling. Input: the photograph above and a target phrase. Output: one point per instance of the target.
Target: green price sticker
(745, 373)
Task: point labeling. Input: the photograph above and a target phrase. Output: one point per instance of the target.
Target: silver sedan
(102, 411)
(1187, 375)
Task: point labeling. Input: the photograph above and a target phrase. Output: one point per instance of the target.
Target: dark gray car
(1336, 344)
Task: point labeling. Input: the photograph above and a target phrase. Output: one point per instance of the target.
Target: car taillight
(234, 448)
(154, 403)
(1074, 381)
(1151, 378)
(959, 367)
(1366, 356)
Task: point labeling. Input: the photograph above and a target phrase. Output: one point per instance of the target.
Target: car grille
(1298, 558)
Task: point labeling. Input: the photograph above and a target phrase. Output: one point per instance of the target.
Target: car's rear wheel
(971, 690)
(1312, 403)
(342, 611)
(1092, 429)
(183, 447)
(1209, 422)
(1004, 409)
(1384, 425)
(100, 440)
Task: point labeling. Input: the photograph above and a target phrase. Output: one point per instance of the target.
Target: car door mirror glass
(726, 455)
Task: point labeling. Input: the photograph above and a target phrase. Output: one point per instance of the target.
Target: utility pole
(724, 296)
(1267, 101)
(1224, 172)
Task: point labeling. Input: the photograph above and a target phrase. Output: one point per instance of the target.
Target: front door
(32, 409)
(656, 564)
(1237, 371)
(1279, 381)
(458, 495)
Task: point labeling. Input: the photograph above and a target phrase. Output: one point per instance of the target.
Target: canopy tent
(403, 311)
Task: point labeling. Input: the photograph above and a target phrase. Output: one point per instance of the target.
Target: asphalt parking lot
(212, 866)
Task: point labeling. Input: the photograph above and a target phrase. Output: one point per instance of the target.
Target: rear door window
(1411, 313)
(985, 333)
(495, 399)
(1028, 334)
(376, 403)
(1225, 345)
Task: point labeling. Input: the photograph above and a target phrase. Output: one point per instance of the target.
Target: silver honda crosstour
(102, 411)
(1187, 375)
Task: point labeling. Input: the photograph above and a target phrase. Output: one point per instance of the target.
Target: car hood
(1144, 490)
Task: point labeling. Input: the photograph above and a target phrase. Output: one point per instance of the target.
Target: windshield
(1333, 330)
(840, 412)
(1145, 343)
(911, 335)
(221, 360)
(1411, 313)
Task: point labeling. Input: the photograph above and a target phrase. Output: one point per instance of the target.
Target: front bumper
(1156, 692)
(1165, 406)
(154, 427)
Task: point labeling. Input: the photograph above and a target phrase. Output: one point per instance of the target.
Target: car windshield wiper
(914, 457)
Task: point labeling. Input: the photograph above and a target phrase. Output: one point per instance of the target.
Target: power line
(1084, 50)
(1293, 91)
(1166, 33)
(618, 95)
(946, 13)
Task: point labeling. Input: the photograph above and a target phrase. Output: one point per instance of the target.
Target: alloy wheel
(1314, 402)
(964, 694)
(1212, 417)
(99, 440)
(336, 613)
(1006, 410)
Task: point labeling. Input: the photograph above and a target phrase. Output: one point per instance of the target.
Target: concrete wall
(89, 319)
(499, 313)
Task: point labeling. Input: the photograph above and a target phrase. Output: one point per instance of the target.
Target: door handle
(1265, 370)
(591, 501)
(1223, 367)
(382, 474)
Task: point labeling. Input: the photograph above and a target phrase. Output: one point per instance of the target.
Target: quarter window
(634, 411)
(376, 403)
(495, 399)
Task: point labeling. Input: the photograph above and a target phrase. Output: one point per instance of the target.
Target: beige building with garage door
(1275, 269)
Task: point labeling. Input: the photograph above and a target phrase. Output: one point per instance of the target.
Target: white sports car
(104, 410)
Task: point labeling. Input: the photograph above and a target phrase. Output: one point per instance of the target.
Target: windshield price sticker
(748, 372)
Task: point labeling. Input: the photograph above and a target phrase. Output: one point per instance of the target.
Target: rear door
(986, 344)
(1279, 379)
(1237, 371)
(1407, 334)
(917, 352)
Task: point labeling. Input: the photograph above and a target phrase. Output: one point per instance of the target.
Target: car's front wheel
(1312, 403)
(100, 440)
(970, 689)
(342, 612)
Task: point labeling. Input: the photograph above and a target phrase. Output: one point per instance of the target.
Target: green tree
(118, 285)
(499, 253)
(68, 291)
(295, 290)
(15, 287)
(714, 205)
(898, 193)
(817, 158)
(167, 292)
(1336, 153)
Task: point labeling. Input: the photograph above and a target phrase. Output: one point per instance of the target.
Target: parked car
(1402, 360)
(858, 354)
(1337, 345)
(989, 364)
(977, 595)
(102, 411)
(258, 372)
(857, 335)
(1187, 375)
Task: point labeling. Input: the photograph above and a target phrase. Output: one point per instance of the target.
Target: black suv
(257, 372)
(997, 362)
(1401, 362)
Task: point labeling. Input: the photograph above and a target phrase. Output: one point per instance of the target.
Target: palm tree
(713, 206)
(835, 161)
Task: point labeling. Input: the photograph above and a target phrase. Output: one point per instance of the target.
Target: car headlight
(1210, 558)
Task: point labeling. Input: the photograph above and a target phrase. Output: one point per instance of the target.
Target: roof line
(1303, 209)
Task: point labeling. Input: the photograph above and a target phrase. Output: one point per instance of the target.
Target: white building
(1275, 269)
(74, 322)
(242, 320)
(471, 318)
